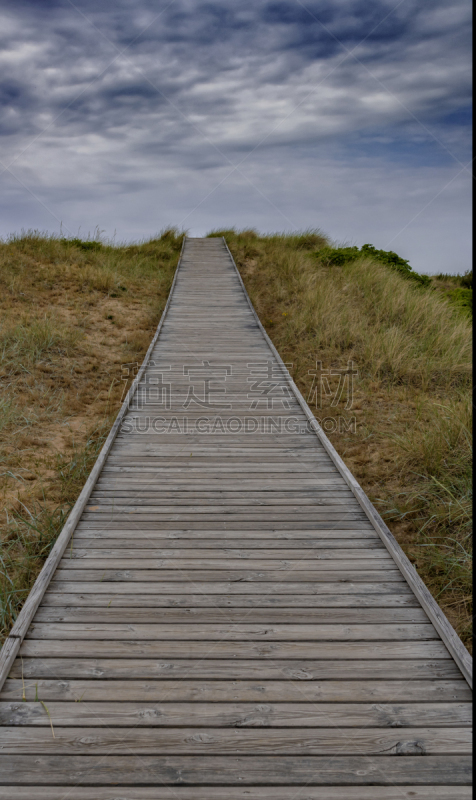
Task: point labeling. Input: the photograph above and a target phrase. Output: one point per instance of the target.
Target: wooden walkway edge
(225, 614)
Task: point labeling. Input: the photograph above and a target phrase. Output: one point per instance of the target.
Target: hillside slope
(405, 433)
(73, 313)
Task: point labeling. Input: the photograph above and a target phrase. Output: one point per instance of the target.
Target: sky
(351, 116)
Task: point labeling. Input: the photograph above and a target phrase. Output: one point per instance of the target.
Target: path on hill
(226, 622)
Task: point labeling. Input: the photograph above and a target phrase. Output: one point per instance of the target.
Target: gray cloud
(133, 115)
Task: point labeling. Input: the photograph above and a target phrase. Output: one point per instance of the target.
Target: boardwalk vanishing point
(225, 616)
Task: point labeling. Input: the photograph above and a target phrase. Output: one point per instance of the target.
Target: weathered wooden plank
(161, 503)
(241, 586)
(218, 426)
(156, 496)
(335, 513)
(231, 468)
(225, 482)
(215, 429)
(87, 648)
(232, 547)
(208, 741)
(265, 430)
(221, 575)
(134, 505)
(272, 691)
(197, 500)
(316, 511)
(239, 770)
(270, 467)
(122, 460)
(171, 714)
(299, 469)
(208, 447)
(251, 532)
(124, 792)
(199, 616)
(312, 563)
(183, 669)
(251, 433)
(222, 518)
(132, 525)
(316, 632)
(191, 603)
(135, 554)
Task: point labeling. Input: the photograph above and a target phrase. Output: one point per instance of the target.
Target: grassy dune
(72, 313)
(411, 449)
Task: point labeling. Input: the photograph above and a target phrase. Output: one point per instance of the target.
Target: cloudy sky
(352, 116)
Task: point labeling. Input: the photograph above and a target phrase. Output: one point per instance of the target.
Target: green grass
(32, 339)
(457, 289)
(32, 530)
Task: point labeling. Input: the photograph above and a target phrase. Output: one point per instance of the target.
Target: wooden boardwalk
(230, 618)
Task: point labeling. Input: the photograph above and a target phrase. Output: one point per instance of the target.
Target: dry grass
(71, 315)
(411, 451)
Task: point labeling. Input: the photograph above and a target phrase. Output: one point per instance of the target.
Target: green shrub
(338, 256)
(90, 245)
(394, 261)
(467, 279)
(463, 298)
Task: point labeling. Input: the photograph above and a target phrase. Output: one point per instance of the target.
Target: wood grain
(239, 770)
(123, 792)
(411, 670)
(239, 690)
(208, 741)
